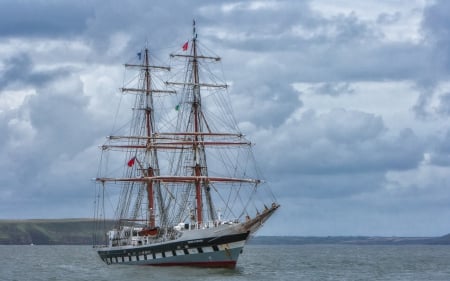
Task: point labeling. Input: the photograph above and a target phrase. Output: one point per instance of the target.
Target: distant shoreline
(349, 240)
(79, 231)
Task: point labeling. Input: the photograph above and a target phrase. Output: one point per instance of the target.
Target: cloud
(344, 153)
(266, 104)
(444, 104)
(436, 62)
(440, 152)
(333, 89)
(19, 73)
(435, 26)
(44, 18)
(339, 142)
(51, 124)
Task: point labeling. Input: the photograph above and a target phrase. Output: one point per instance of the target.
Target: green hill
(49, 232)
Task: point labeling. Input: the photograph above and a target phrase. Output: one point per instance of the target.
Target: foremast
(139, 146)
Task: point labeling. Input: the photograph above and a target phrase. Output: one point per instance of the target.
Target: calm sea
(305, 262)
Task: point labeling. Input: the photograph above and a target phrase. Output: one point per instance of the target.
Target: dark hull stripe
(188, 244)
(199, 252)
(225, 258)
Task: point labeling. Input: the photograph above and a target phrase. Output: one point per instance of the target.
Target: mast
(149, 130)
(198, 128)
(141, 144)
(196, 103)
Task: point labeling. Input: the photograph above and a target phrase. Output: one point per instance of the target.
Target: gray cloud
(266, 104)
(341, 142)
(44, 18)
(436, 28)
(440, 150)
(338, 171)
(19, 72)
(444, 104)
(334, 89)
(436, 62)
(44, 139)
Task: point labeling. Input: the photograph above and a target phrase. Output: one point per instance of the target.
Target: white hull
(209, 251)
(218, 246)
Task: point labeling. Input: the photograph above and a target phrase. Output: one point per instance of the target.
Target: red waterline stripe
(223, 264)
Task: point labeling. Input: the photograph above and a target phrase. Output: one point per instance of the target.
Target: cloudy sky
(348, 103)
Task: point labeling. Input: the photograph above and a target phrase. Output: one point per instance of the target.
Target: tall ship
(177, 182)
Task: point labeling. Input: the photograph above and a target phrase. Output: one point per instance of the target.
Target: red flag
(131, 162)
(185, 46)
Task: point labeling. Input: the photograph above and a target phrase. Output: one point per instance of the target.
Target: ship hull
(212, 251)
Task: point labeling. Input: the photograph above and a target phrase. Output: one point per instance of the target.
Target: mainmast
(198, 128)
(196, 103)
(149, 129)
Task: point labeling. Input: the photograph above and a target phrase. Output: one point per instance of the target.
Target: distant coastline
(80, 232)
(350, 240)
(47, 232)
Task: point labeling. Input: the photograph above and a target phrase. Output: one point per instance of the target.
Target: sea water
(258, 262)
